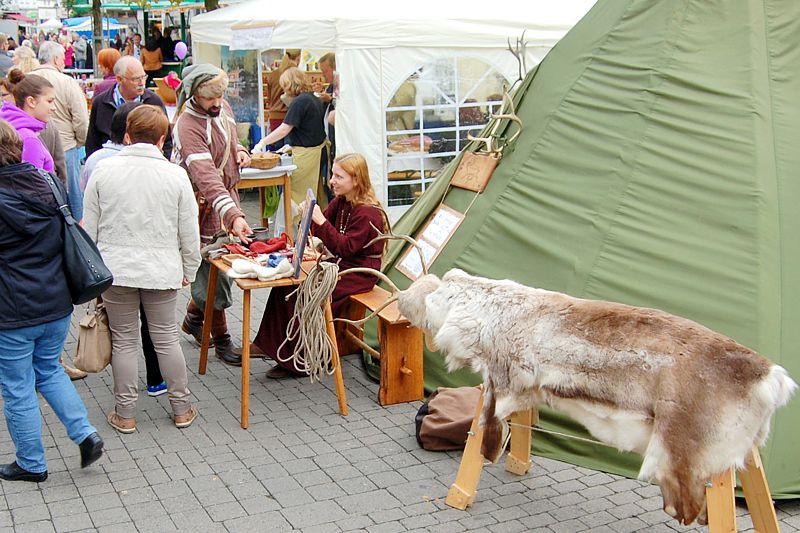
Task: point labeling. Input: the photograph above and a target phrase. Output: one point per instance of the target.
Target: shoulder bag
(87, 275)
(93, 353)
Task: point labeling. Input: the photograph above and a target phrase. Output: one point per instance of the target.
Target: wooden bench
(400, 353)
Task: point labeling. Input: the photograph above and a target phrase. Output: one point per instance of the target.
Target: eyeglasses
(137, 79)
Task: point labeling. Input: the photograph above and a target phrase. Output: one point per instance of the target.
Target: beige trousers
(122, 305)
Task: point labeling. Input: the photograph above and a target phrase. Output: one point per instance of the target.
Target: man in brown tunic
(206, 145)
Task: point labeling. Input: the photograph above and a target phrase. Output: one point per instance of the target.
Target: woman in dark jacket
(35, 310)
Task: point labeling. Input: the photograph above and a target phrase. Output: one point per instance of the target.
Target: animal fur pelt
(691, 401)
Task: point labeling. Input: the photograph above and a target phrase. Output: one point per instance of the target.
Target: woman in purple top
(34, 97)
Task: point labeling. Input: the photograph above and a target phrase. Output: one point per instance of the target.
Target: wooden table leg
(462, 491)
(287, 206)
(208, 317)
(337, 370)
(245, 358)
(721, 503)
(756, 492)
(518, 460)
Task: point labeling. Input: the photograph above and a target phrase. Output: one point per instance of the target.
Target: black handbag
(87, 275)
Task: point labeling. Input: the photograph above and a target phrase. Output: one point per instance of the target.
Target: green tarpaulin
(659, 166)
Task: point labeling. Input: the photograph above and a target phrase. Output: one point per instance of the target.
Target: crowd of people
(150, 194)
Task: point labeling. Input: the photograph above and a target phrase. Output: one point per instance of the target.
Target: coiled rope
(313, 352)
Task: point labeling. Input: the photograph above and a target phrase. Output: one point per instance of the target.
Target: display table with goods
(224, 264)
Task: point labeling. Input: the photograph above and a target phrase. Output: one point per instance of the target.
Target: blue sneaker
(157, 390)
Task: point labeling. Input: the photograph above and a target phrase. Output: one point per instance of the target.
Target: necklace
(343, 221)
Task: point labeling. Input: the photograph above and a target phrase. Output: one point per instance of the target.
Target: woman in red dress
(345, 227)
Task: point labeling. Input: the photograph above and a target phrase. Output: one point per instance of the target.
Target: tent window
(429, 117)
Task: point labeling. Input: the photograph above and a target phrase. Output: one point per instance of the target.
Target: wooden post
(721, 503)
(208, 317)
(402, 378)
(337, 371)
(462, 491)
(245, 359)
(519, 456)
(756, 492)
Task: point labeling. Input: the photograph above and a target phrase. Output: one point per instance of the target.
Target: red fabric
(349, 248)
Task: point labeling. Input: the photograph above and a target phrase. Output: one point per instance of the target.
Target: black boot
(224, 349)
(222, 340)
(91, 449)
(193, 323)
(14, 472)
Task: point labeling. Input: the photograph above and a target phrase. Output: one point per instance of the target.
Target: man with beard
(206, 145)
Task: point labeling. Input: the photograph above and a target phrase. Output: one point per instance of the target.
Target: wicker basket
(264, 160)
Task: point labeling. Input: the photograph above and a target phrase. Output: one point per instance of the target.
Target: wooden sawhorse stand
(719, 493)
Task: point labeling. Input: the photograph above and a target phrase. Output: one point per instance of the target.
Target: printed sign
(251, 37)
(439, 229)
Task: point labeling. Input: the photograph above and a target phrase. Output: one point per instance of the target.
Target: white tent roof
(87, 26)
(53, 23)
(326, 25)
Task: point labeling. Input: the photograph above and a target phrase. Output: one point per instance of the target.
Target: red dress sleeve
(358, 229)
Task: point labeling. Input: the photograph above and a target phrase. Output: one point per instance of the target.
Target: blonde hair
(10, 145)
(213, 88)
(289, 59)
(293, 81)
(27, 59)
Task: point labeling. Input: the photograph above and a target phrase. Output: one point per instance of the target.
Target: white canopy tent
(378, 45)
(51, 24)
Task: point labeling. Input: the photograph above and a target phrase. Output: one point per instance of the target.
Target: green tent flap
(659, 166)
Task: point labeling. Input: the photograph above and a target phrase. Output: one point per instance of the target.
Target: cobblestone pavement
(302, 467)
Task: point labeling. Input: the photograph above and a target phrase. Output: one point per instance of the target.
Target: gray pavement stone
(303, 516)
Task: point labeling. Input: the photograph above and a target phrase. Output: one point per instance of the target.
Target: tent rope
(313, 352)
(559, 434)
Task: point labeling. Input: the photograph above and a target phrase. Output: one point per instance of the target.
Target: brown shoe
(278, 372)
(224, 349)
(123, 425)
(185, 420)
(255, 352)
(190, 327)
(73, 373)
(193, 323)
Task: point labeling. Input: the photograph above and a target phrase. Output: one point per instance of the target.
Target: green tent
(659, 166)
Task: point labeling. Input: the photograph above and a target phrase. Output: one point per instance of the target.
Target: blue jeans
(74, 193)
(29, 362)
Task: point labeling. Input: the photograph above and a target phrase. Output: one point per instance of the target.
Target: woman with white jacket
(140, 210)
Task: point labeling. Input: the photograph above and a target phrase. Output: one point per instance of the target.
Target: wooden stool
(719, 493)
(400, 352)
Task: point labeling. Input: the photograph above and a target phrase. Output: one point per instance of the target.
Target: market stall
(429, 63)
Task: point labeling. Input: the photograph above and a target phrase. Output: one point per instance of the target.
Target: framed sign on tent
(433, 237)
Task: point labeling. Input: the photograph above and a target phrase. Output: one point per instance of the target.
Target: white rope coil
(313, 352)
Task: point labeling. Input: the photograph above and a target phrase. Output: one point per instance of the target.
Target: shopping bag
(94, 341)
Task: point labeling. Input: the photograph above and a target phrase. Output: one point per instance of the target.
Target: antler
(410, 240)
(382, 237)
(374, 272)
(507, 112)
(372, 315)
